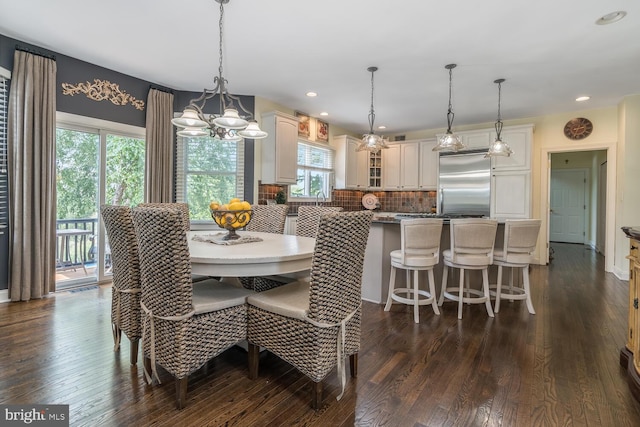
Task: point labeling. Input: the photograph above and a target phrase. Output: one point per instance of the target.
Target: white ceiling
(549, 52)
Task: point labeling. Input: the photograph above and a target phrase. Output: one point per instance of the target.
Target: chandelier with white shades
(231, 125)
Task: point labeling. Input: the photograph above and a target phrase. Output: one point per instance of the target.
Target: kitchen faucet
(324, 197)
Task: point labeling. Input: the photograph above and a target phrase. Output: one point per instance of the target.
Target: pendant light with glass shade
(499, 147)
(371, 141)
(230, 126)
(449, 141)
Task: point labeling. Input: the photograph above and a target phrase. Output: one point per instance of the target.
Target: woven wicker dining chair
(309, 218)
(185, 324)
(266, 219)
(304, 322)
(183, 208)
(125, 293)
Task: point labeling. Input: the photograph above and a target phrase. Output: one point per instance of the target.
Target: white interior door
(568, 206)
(602, 208)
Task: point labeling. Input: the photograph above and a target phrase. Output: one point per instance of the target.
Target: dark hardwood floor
(558, 367)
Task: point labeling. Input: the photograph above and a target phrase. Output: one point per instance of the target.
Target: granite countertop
(632, 231)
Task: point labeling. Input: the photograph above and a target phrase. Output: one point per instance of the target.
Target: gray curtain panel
(159, 157)
(32, 176)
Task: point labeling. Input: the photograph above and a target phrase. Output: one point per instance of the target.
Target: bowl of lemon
(231, 216)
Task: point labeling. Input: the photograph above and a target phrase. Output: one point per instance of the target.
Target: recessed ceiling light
(324, 113)
(382, 127)
(583, 98)
(612, 17)
(311, 94)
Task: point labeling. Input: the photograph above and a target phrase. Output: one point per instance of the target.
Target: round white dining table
(275, 254)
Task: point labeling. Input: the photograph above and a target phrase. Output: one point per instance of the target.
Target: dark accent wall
(74, 71)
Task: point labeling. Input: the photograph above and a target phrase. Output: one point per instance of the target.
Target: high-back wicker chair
(183, 208)
(268, 218)
(125, 299)
(185, 324)
(315, 324)
(309, 218)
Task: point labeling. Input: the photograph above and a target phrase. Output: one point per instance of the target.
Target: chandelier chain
(220, 26)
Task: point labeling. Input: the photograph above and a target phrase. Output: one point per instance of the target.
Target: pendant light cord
(498, 124)
(372, 114)
(450, 114)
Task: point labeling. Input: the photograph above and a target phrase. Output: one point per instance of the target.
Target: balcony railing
(75, 243)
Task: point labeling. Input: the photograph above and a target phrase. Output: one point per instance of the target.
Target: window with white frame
(315, 170)
(4, 176)
(208, 169)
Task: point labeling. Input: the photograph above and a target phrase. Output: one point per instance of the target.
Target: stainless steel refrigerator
(464, 184)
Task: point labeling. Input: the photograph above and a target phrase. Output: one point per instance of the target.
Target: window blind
(314, 157)
(4, 175)
(208, 169)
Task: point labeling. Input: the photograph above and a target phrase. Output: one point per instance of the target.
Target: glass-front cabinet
(375, 170)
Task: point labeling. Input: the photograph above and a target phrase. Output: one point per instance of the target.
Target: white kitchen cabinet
(291, 224)
(511, 194)
(401, 166)
(428, 165)
(391, 168)
(279, 149)
(352, 166)
(519, 139)
(476, 140)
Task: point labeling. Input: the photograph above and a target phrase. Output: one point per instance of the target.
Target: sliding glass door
(94, 166)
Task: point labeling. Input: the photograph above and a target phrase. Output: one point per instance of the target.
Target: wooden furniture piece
(315, 324)
(630, 353)
(471, 248)
(275, 254)
(516, 252)
(419, 251)
(309, 218)
(185, 324)
(125, 266)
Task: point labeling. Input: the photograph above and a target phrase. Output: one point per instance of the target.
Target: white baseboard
(621, 274)
(370, 300)
(4, 295)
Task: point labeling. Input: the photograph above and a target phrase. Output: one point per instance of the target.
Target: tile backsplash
(351, 200)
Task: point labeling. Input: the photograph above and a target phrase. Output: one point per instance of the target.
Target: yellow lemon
(246, 205)
(234, 200)
(235, 206)
(214, 205)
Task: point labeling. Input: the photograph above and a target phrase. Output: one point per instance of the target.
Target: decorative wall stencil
(101, 90)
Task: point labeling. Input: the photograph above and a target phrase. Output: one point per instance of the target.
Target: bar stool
(520, 238)
(419, 250)
(472, 242)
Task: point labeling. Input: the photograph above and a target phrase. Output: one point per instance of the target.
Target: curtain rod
(35, 52)
(161, 89)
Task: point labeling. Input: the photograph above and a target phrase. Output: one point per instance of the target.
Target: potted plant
(281, 197)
